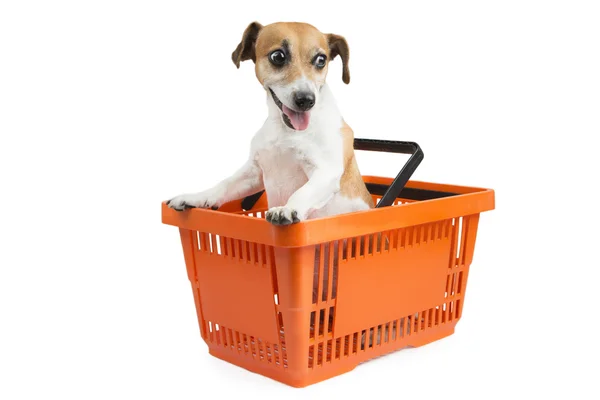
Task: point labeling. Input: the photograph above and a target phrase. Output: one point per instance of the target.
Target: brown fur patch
(351, 183)
(304, 42)
(339, 46)
(245, 50)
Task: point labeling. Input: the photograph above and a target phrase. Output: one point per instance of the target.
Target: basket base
(308, 377)
(283, 376)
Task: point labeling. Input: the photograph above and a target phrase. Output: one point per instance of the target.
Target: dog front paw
(282, 216)
(193, 200)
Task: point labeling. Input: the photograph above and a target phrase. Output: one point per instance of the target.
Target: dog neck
(323, 114)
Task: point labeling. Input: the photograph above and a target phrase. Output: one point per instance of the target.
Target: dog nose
(304, 100)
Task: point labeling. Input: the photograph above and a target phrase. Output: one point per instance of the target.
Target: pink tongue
(299, 120)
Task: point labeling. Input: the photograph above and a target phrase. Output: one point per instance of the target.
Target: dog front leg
(314, 194)
(246, 181)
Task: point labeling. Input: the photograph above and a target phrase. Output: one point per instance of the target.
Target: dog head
(291, 62)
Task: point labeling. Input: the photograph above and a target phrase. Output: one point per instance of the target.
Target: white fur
(300, 170)
(285, 93)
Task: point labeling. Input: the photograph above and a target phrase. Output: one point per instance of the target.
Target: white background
(108, 108)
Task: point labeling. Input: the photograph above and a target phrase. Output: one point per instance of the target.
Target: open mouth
(297, 120)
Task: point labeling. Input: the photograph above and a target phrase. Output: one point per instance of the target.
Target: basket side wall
(329, 340)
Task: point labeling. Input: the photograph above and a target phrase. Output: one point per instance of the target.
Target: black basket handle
(393, 146)
(389, 146)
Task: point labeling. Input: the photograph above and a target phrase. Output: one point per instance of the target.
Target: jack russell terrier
(303, 156)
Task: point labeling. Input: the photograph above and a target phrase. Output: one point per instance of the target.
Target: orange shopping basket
(305, 302)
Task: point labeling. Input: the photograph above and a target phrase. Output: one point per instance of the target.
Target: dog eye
(277, 57)
(320, 60)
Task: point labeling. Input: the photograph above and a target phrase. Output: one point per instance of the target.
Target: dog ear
(245, 50)
(339, 46)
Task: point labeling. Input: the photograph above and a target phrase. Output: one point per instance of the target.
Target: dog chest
(282, 174)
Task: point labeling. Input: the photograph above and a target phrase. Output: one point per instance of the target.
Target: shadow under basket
(305, 302)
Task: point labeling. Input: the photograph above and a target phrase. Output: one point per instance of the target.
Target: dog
(303, 155)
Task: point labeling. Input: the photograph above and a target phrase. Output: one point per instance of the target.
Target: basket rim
(467, 201)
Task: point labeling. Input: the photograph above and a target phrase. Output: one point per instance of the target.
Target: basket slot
(454, 253)
(346, 345)
(319, 267)
(401, 327)
(246, 251)
(332, 251)
(282, 340)
(371, 337)
(400, 323)
(203, 241)
(245, 346)
(241, 250)
(269, 353)
(448, 292)
(320, 354)
(443, 316)
(458, 308)
(388, 332)
(253, 346)
(231, 250)
(418, 322)
(363, 336)
(454, 283)
(212, 246)
(429, 317)
(321, 322)
(323, 272)
(459, 240)
(329, 350)
(230, 340)
(217, 333)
